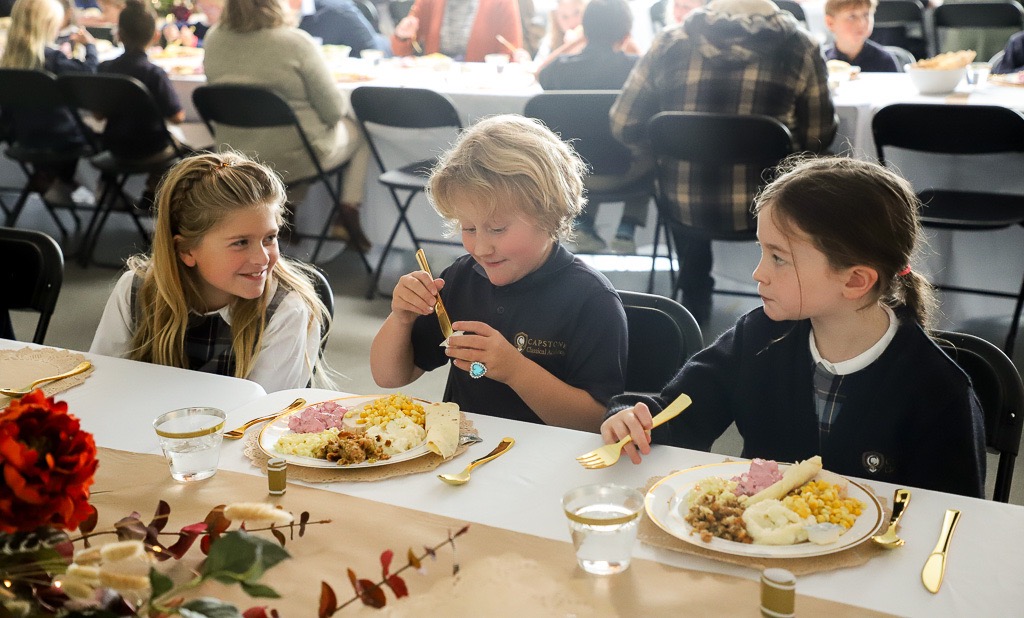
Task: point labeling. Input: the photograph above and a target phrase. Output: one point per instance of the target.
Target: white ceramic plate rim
(270, 434)
(662, 500)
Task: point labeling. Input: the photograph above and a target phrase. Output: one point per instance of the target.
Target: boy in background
(851, 23)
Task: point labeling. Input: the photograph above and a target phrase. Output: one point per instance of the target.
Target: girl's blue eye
(778, 261)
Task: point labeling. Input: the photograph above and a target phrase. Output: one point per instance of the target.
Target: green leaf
(160, 583)
(240, 556)
(259, 590)
(209, 608)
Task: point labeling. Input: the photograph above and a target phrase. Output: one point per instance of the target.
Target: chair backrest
(582, 118)
(793, 8)
(893, 13)
(109, 95)
(250, 107)
(720, 139)
(948, 129)
(369, 11)
(24, 90)
(31, 274)
(902, 56)
(998, 386)
(1004, 14)
(657, 12)
(662, 336)
(404, 108)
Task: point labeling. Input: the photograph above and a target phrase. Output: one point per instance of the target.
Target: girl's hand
(415, 295)
(483, 344)
(408, 27)
(636, 422)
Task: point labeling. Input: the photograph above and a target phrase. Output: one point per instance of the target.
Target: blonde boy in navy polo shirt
(545, 334)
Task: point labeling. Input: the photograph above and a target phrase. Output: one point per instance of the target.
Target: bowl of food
(941, 74)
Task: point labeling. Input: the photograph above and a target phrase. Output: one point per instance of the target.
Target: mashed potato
(712, 486)
(769, 522)
(305, 444)
(398, 435)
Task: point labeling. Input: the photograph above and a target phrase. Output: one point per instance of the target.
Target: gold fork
(15, 393)
(609, 453)
(442, 313)
(238, 432)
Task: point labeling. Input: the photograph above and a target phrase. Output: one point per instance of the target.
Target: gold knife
(442, 313)
(935, 565)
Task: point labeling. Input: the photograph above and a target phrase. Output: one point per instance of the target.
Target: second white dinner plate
(664, 498)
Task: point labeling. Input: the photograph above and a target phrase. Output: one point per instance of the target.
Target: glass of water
(603, 520)
(190, 439)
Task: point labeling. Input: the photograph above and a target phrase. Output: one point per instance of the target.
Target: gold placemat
(426, 463)
(19, 368)
(503, 574)
(650, 533)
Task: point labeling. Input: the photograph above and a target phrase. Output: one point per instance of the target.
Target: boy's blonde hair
(514, 162)
(192, 198)
(34, 25)
(834, 7)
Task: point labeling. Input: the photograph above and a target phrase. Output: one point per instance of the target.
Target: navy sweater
(910, 418)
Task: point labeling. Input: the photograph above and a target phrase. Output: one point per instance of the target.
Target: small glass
(977, 73)
(499, 61)
(603, 520)
(373, 56)
(190, 439)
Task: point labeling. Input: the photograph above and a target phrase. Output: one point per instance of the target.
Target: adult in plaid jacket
(737, 57)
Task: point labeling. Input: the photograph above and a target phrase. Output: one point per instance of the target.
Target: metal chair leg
(403, 208)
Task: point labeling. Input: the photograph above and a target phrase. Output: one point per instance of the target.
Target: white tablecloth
(522, 491)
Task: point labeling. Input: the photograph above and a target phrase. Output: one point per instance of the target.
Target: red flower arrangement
(47, 463)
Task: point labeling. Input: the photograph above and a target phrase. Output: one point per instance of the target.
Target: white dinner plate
(663, 500)
(270, 434)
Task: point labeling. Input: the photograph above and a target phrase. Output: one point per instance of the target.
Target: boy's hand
(415, 295)
(636, 422)
(483, 344)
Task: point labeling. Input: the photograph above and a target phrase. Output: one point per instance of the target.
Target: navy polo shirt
(131, 135)
(872, 58)
(565, 316)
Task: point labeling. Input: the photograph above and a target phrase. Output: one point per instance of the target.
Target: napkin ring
(477, 370)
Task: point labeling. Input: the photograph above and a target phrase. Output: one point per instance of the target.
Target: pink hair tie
(904, 272)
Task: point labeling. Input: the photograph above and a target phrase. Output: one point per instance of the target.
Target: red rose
(47, 463)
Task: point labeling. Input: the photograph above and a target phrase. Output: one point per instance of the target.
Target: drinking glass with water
(191, 439)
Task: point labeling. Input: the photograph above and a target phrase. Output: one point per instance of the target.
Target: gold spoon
(462, 477)
(900, 502)
(15, 393)
(238, 432)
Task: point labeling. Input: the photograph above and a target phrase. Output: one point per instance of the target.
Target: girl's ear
(184, 255)
(860, 280)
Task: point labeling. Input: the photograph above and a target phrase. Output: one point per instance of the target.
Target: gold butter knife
(935, 565)
(442, 313)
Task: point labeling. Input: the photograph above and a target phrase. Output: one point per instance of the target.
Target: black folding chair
(581, 117)
(410, 109)
(253, 107)
(31, 274)
(398, 9)
(662, 336)
(369, 11)
(998, 386)
(713, 145)
(900, 23)
(108, 96)
(1006, 15)
(965, 130)
(902, 56)
(36, 92)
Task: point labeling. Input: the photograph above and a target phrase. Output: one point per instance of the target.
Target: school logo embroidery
(539, 347)
(873, 461)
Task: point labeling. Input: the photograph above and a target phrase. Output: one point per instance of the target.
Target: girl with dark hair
(838, 361)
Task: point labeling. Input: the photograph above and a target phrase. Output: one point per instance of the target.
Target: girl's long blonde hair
(193, 197)
(34, 25)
